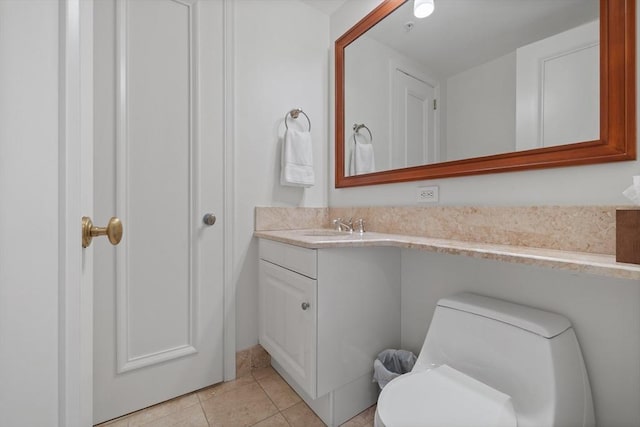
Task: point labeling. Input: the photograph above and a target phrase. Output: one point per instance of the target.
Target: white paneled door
(158, 328)
(413, 109)
(558, 89)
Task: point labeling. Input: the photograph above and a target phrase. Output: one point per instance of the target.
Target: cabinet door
(288, 322)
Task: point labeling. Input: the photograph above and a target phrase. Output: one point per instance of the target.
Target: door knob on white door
(209, 219)
(113, 231)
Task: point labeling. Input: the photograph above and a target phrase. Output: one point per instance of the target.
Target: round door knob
(113, 231)
(305, 305)
(209, 219)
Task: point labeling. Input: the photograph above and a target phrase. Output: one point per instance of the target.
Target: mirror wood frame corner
(617, 109)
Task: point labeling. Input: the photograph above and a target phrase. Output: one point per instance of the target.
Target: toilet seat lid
(443, 397)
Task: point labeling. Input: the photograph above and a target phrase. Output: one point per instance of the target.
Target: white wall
(595, 184)
(29, 191)
(281, 62)
(604, 312)
(481, 109)
(367, 101)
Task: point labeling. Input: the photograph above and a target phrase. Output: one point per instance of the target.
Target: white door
(45, 175)
(158, 322)
(414, 122)
(558, 89)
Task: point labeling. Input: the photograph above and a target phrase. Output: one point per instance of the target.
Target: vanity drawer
(295, 258)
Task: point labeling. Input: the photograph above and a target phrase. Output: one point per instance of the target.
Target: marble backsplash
(571, 228)
(268, 219)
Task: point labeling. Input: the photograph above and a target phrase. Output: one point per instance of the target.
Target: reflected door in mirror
(557, 89)
(414, 138)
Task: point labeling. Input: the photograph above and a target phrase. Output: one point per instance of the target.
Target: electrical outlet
(427, 194)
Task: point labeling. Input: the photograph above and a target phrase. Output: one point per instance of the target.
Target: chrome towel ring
(356, 131)
(295, 113)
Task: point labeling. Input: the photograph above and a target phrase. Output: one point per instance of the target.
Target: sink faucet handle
(359, 227)
(340, 225)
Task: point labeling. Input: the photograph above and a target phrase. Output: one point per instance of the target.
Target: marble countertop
(602, 265)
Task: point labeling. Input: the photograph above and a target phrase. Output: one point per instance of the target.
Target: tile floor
(261, 399)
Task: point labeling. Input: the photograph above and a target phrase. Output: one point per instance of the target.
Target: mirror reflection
(475, 78)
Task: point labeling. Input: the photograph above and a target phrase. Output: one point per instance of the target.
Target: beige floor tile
(192, 416)
(278, 390)
(160, 410)
(207, 393)
(275, 421)
(363, 419)
(263, 372)
(118, 422)
(259, 357)
(243, 363)
(300, 415)
(242, 406)
(358, 424)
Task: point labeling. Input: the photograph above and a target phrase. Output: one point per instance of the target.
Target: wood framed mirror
(617, 109)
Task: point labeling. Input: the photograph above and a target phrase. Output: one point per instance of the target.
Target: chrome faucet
(340, 225)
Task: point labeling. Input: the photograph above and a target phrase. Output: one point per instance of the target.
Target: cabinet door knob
(305, 305)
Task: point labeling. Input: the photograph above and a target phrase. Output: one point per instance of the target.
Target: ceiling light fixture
(423, 8)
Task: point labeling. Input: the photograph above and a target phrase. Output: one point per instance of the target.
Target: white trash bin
(391, 364)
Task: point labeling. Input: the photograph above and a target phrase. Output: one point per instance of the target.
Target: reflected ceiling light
(423, 8)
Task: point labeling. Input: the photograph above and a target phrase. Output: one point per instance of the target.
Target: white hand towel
(297, 159)
(362, 159)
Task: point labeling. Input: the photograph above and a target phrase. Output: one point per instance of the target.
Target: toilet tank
(530, 354)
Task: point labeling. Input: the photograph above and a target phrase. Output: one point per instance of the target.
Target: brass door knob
(113, 231)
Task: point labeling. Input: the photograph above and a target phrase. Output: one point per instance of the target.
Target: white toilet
(488, 362)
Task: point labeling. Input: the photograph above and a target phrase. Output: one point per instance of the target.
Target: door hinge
(435, 104)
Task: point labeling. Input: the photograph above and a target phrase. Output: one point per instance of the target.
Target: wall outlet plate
(427, 194)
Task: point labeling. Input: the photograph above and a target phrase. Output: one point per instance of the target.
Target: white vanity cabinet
(288, 311)
(324, 316)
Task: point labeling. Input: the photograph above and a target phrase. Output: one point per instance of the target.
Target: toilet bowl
(488, 362)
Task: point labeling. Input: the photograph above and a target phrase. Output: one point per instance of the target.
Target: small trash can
(390, 364)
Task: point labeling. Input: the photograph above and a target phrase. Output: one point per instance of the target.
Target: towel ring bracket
(356, 129)
(295, 113)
